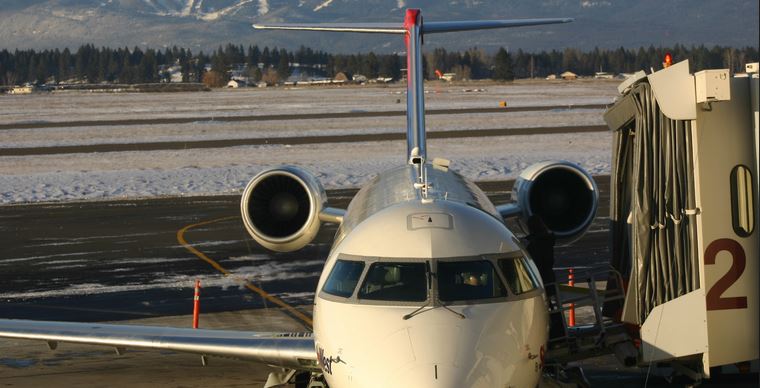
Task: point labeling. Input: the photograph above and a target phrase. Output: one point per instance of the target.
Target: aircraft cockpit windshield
(468, 280)
(401, 282)
(479, 279)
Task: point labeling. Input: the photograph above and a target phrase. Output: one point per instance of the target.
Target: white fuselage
(497, 345)
(499, 341)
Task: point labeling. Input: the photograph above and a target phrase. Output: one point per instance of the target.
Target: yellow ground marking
(181, 239)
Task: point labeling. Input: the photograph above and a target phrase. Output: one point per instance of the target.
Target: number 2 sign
(715, 299)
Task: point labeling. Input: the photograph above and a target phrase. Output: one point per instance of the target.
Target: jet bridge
(684, 217)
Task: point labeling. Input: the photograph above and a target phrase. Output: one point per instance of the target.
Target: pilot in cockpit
(473, 279)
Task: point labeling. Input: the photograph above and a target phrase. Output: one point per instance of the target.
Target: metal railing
(593, 334)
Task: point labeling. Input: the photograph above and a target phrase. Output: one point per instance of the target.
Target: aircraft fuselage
(428, 288)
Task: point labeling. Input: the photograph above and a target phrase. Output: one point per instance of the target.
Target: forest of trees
(123, 65)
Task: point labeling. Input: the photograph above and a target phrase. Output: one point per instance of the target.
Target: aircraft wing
(286, 350)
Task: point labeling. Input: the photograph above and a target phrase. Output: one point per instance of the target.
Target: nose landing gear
(291, 377)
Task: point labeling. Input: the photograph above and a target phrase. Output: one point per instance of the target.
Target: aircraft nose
(432, 376)
(442, 355)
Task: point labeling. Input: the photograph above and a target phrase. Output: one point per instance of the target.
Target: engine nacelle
(281, 208)
(563, 194)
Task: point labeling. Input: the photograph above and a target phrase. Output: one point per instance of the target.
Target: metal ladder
(596, 335)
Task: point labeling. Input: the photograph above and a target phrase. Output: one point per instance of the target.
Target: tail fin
(413, 29)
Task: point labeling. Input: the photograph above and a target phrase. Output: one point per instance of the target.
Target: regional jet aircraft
(425, 286)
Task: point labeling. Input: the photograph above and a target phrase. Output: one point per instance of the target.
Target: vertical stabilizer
(416, 146)
(413, 30)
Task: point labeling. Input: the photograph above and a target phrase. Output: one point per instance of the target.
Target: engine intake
(281, 207)
(563, 194)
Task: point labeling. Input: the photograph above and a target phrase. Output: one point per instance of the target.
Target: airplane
(424, 286)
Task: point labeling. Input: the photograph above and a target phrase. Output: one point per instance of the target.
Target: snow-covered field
(61, 177)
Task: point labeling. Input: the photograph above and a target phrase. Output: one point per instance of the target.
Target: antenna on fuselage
(413, 30)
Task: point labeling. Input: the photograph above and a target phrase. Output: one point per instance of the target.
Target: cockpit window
(404, 282)
(519, 277)
(343, 278)
(468, 280)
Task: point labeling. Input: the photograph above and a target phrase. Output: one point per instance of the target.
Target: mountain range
(206, 24)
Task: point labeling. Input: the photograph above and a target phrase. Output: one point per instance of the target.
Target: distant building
(448, 76)
(241, 72)
(26, 89)
(174, 73)
(603, 75)
(568, 75)
(236, 84)
(176, 77)
(343, 77)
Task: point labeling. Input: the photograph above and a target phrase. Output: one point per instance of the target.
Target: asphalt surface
(292, 140)
(289, 116)
(97, 247)
(110, 260)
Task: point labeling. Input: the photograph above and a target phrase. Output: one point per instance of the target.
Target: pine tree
(283, 65)
(503, 66)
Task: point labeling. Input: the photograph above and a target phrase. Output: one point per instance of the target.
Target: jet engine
(281, 208)
(563, 194)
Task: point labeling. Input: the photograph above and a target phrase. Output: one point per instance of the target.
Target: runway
(293, 140)
(288, 116)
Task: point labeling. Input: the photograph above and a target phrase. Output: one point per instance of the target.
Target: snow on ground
(227, 170)
(94, 176)
(210, 130)
(257, 274)
(67, 106)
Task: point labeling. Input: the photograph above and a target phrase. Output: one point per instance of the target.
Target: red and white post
(571, 312)
(196, 304)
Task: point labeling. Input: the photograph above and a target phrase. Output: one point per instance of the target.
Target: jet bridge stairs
(593, 333)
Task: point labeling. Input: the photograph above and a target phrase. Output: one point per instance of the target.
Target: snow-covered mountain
(205, 24)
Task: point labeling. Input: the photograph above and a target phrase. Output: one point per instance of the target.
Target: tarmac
(133, 242)
(32, 364)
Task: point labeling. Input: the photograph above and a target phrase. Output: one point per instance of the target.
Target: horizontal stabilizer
(395, 28)
(376, 28)
(435, 27)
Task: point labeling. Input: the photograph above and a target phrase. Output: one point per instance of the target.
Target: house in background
(603, 75)
(26, 89)
(235, 83)
(568, 76)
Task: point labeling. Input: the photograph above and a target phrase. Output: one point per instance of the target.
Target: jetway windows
(519, 277)
(468, 280)
(742, 202)
(402, 282)
(343, 278)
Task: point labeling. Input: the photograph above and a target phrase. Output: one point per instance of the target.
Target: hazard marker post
(571, 312)
(196, 304)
